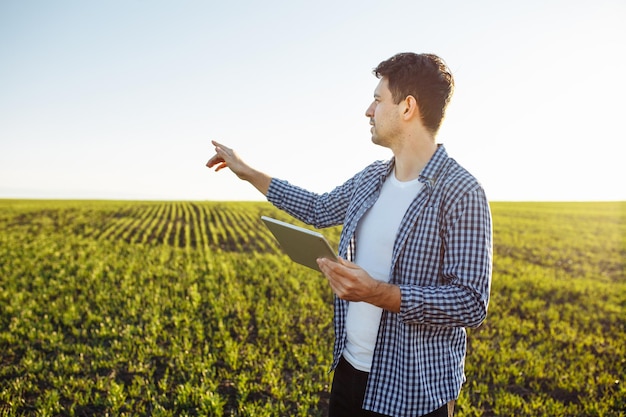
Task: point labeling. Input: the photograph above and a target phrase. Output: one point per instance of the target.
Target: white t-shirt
(375, 236)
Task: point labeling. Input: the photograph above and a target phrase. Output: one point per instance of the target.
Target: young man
(415, 251)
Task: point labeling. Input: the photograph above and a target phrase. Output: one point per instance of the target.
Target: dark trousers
(348, 392)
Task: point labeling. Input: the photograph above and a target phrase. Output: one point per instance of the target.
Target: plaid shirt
(442, 260)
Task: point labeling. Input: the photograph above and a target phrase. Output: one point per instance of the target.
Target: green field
(189, 308)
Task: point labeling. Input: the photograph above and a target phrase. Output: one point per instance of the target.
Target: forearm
(258, 179)
(386, 296)
(352, 283)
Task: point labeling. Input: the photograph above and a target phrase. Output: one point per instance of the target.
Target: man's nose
(370, 111)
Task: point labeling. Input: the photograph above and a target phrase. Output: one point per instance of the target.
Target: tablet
(302, 245)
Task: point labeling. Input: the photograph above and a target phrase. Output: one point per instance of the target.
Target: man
(415, 251)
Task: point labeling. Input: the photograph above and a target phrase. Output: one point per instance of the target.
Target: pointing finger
(219, 146)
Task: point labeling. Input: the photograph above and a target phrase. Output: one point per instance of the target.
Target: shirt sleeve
(463, 297)
(318, 210)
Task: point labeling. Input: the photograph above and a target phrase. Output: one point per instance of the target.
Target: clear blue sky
(120, 99)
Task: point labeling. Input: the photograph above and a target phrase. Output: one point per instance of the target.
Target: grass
(181, 308)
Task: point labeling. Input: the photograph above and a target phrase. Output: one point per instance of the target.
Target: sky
(121, 99)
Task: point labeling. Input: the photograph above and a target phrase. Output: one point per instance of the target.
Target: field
(189, 308)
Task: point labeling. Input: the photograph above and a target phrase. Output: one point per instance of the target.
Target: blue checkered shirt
(442, 262)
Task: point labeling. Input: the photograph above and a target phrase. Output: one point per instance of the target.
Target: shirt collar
(433, 168)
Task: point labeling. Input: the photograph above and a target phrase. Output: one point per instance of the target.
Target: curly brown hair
(426, 77)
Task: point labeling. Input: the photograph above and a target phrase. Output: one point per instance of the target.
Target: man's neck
(412, 156)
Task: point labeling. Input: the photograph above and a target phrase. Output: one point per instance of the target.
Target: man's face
(384, 115)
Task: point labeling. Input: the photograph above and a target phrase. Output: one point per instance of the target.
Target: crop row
(192, 225)
(188, 225)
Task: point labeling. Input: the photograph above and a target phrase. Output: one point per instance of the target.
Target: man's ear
(410, 108)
